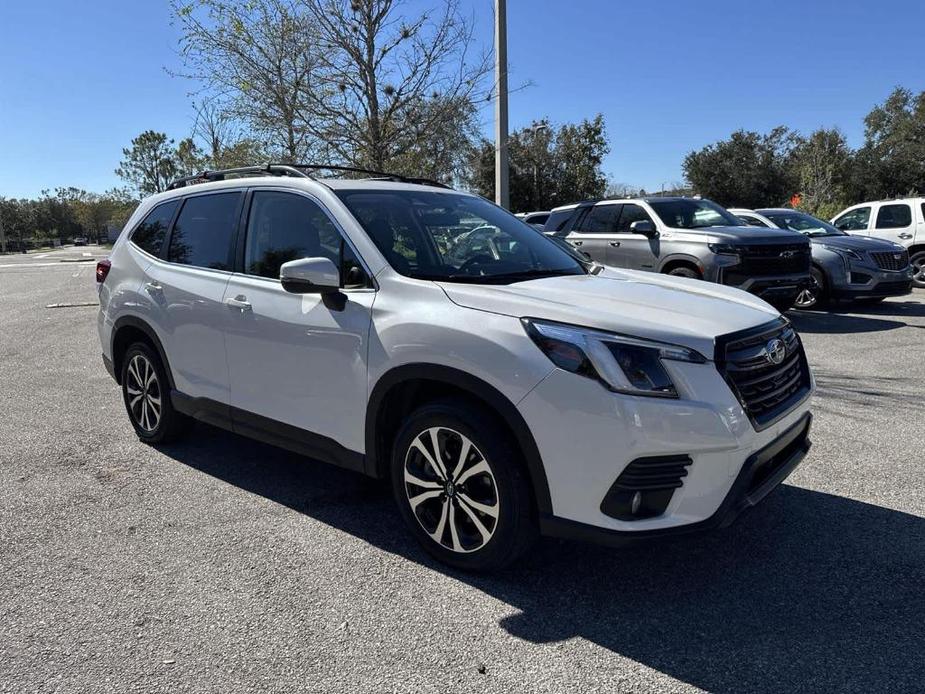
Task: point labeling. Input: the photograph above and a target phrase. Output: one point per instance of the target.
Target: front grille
(891, 260)
(645, 487)
(766, 390)
(768, 261)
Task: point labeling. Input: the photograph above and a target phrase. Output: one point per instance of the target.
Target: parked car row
(504, 385)
(755, 250)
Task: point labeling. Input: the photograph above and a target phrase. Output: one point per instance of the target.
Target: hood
(857, 243)
(745, 235)
(681, 311)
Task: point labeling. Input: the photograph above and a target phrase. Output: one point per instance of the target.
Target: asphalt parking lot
(222, 564)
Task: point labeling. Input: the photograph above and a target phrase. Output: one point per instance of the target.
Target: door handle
(576, 243)
(614, 244)
(239, 302)
(153, 287)
(905, 236)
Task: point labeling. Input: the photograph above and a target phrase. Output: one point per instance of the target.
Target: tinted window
(690, 213)
(630, 214)
(855, 220)
(283, 227)
(203, 234)
(149, 235)
(751, 221)
(455, 238)
(894, 217)
(558, 220)
(804, 223)
(539, 219)
(602, 219)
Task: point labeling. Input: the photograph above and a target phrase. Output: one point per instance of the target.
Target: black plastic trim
(794, 443)
(873, 292)
(478, 388)
(269, 431)
(141, 325)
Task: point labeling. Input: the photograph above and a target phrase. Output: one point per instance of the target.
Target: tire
(146, 394)
(684, 271)
(490, 489)
(814, 296)
(918, 269)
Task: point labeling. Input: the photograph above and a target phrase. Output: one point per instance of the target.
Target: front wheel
(684, 271)
(461, 488)
(918, 269)
(814, 295)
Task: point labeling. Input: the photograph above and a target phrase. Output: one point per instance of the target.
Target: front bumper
(874, 289)
(589, 436)
(761, 474)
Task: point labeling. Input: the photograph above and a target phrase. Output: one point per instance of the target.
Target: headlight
(622, 364)
(723, 248)
(844, 252)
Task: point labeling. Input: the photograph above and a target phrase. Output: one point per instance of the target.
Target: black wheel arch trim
(143, 326)
(478, 388)
(682, 257)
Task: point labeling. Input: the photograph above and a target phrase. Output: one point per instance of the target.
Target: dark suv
(688, 237)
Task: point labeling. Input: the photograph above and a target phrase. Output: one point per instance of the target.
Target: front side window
(854, 220)
(455, 238)
(602, 219)
(630, 214)
(689, 213)
(203, 234)
(894, 217)
(149, 235)
(284, 226)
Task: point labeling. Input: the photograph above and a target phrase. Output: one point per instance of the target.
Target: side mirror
(310, 276)
(644, 227)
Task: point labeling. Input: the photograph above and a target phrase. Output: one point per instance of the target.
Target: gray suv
(687, 237)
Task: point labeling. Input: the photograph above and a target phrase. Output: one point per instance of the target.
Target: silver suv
(427, 337)
(687, 237)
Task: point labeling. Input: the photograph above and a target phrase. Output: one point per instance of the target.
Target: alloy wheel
(918, 269)
(143, 393)
(451, 489)
(809, 296)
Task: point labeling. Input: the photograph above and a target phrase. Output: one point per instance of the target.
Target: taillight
(102, 270)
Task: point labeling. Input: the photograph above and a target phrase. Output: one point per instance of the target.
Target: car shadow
(809, 591)
(835, 323)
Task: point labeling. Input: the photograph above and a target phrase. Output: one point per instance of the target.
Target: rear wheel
(815, 294)
(146, 393)
(461, 488)
(918, 269)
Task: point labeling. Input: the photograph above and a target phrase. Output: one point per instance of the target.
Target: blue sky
(79, 80)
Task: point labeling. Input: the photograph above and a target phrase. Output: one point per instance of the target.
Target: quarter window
(602, 219)
(854, 220)
(894, 217)
(631, 213)
(283, 227)
(149, 235)
(203, 234)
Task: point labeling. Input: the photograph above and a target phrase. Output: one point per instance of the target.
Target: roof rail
(384, 175)
(238, 172)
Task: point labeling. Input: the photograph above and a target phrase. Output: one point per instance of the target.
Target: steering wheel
(476, 260)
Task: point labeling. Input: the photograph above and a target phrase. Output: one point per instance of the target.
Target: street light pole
(502, 193)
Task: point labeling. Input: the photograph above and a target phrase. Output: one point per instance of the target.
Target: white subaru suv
(504, 385)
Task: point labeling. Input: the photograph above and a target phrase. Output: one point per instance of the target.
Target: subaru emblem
(775, 351)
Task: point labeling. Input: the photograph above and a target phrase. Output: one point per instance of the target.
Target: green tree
(822, 164)
(548, 166)
(747, 170)
(150, 164)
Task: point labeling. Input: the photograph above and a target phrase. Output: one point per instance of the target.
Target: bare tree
(259, 59)
(390, 81)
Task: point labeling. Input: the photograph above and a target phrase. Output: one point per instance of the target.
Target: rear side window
(558, 220)
(894, 217)
(602, 219)
(149, 235)
(631, 213)
(203, 234)
(855, 220)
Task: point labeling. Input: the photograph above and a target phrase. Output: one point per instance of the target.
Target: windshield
(804, 223)
(455, 238)
(693, 214)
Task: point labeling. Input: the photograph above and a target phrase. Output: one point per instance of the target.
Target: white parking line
(55, 264)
